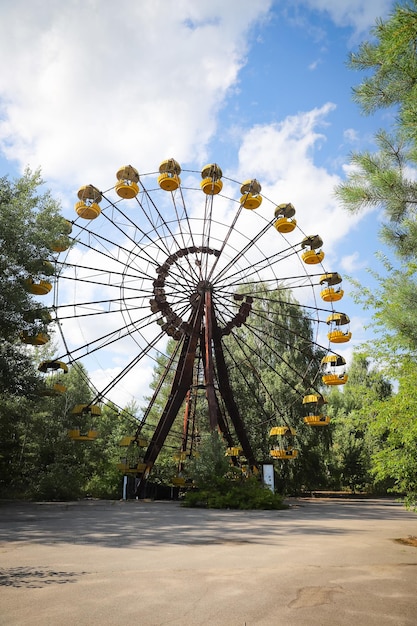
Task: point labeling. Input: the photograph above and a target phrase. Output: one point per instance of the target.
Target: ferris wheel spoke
(224, 243)
(127, 369)
(177, 238)
(148, 216)
(286, 282)
(162, 380)
(255, 388)
(257, 267)
(185, 233)
(120, 255)
(248, 351)
(101, 271)
(240, 254)
(263, 336)
(107, 301)
(205, 241)
(108, 284)
(296, 305)
(160, 243)
(242, 368)
(104, 341)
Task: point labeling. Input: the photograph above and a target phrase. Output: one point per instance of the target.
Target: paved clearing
(322, 562)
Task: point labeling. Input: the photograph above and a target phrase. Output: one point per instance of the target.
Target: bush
(224, 493)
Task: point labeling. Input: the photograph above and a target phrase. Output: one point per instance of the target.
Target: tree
(279, 356)
(30, 222)
(385, 179)
(354, 439)
(395, 425)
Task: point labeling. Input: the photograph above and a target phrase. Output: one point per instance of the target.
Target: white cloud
(86, 86)
(352, 262)
(351, 135)
(314, 65)
(282, 157)
(134, 386)
(359, 14)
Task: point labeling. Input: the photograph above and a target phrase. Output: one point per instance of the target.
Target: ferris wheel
(203, 277)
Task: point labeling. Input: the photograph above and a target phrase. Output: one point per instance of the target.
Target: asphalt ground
(321, 562)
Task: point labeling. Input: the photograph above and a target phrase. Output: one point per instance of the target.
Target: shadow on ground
(126, 524)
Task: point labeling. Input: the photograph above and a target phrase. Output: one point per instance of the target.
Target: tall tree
(385, 179)
(354, 436)
(395, 425)
(30, 222)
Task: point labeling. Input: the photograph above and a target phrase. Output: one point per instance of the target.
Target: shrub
(224, 493)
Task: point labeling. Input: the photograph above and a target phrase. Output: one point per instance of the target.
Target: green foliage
(39, 461)
(385, 179)
(353, 440)
(391, 65)
(219, 485)
(30, 221)
(272, 360)
(380, 438)
(211, 462)
(244, 494)
(395, 424)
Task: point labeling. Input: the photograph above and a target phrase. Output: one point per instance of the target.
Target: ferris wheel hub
(204, 286)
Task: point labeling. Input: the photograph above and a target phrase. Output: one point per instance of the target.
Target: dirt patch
(411, 540)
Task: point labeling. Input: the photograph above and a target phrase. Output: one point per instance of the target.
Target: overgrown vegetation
(219, 485)
(386, 180)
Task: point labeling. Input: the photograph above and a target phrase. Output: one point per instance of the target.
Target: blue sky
(259, 86)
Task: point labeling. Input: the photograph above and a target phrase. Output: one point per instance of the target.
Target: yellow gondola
(128, 468)
(211, 183)
(40, 339)
(285, 218)
(76, 434)
(329, 293)
(234, 451)
(282, 431)
(284, 450)
(317, 420)
(128, 440)
(86, 409)
(40, 288)
(169, 171)
(284, 454)
(45, 366)
(127, 182)
(313, 404)
(334, 370)
(84, 433)
(62, 242)
(56, 389)
(181, 456)
(312, 256)
(88, 206)
(336, 334)
(251, 198)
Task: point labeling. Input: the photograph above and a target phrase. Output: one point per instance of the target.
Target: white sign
(268, 476)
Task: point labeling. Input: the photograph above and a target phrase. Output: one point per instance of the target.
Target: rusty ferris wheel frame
(190, 274)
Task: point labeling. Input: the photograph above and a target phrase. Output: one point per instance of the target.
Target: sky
(260, 87)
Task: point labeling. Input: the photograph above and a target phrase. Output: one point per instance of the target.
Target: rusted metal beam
(228, 398)
(213, 406)
(181, 384)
